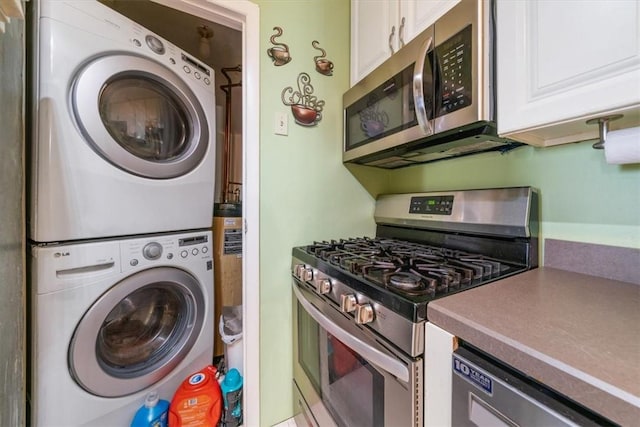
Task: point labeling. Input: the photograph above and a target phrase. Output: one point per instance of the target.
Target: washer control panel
(163, 249)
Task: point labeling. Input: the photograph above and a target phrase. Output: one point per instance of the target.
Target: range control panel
(432, 205)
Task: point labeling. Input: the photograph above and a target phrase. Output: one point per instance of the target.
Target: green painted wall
(305, 192)
(582, 197)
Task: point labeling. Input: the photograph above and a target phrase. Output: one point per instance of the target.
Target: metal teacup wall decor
(279, 53)
(323, 65)
(305, 107)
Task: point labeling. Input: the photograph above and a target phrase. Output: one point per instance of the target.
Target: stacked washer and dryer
(121, 196)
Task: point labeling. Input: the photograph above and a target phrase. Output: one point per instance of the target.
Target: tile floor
(287, 423)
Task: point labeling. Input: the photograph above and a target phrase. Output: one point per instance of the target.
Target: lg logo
(59, 254)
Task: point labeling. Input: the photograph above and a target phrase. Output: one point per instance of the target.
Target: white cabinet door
(381, 27)
(419, 14)
(439, 346)
(562, 62)
(374, 34)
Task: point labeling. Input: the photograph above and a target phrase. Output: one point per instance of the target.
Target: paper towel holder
(603, 123)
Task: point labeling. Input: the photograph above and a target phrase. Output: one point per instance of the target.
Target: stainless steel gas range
(360, 304)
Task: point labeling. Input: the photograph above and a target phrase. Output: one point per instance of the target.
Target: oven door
(345, 375)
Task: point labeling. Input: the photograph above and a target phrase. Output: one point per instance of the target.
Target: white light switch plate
(281, 123)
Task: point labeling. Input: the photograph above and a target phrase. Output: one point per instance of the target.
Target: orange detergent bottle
(198, 401)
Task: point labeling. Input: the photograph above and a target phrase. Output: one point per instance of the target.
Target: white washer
(115, 319)
(124, 128)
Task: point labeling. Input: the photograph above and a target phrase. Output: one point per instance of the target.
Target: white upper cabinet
(562, 62)
(374, 33)
(381, 27)
(419, 14)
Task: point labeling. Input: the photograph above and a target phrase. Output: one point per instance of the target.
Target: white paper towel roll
(623, 146)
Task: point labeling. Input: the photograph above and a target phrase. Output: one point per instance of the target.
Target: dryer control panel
(172, 56)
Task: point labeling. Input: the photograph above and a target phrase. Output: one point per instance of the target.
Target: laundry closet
(134, 215)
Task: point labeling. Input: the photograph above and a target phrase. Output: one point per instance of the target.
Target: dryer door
(140, 116)
(137, 332)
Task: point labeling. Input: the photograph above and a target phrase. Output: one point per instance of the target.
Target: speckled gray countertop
(578, 334)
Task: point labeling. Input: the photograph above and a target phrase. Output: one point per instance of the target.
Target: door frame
(244, 15)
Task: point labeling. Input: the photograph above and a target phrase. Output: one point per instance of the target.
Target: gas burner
(408, 268)
(404, 280)
(410, 284)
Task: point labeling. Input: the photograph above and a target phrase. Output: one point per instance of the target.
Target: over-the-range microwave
(432, 100)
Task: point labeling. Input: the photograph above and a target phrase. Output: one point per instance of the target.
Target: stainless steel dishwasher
(487, 393)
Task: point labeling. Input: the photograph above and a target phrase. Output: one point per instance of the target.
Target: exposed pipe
(226, 159)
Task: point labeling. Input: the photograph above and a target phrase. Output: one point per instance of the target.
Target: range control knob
(303, 272)
(307, 274)
(323, 286)
(152, 250)
(364, 314)
(348, 302)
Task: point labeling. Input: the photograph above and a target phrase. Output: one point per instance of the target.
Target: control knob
(348, 302)
(364, 314)
(323, 286)
(155, 44)
(303, 272)
(152, 250)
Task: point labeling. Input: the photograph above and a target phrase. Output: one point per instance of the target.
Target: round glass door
(145, 118)
(137, 332)
(140, 116)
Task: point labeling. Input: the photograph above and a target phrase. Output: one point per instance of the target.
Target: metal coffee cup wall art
(323, 65)
(305, 107)
(279, 53)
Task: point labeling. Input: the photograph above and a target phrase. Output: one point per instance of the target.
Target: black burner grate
(407, 268)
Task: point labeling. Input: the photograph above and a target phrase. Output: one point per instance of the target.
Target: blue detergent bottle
(154, 413)
(232, 394)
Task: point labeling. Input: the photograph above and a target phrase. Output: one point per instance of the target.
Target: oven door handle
(373, 355)
(418, 87)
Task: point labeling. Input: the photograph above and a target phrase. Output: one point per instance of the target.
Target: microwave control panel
(454, 66)
(432, 205)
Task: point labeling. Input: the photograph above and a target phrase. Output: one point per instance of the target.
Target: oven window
(355, 392)
(308, 348)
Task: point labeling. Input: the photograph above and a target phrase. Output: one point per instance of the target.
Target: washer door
(137, 332)
(140, 116)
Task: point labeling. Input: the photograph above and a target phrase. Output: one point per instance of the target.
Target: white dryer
(115, 319)
(124, 128)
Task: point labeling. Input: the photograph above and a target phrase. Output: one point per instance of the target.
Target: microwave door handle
(418, 88)
(373, 355)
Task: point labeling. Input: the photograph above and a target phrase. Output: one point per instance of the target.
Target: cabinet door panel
(419, 14)
(371, 25)
(562, 62)
(568, 56)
